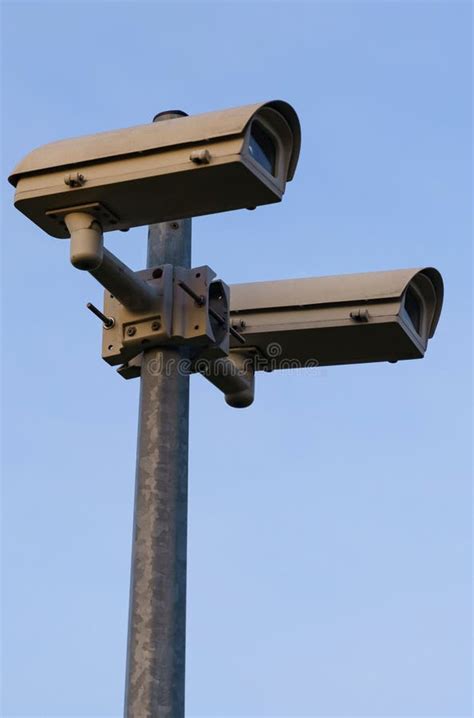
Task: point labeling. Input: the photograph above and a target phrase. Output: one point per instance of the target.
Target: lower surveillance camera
(348, 319)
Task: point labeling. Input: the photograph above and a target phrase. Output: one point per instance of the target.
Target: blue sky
(330, 523)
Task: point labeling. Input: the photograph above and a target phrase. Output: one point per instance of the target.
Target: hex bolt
(76, 180)
(156, 325)
(131, 331)
(361, 315)
(241, 324)
(200, 157)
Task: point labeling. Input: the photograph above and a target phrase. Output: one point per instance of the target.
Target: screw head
(156, 325)
(131, 331)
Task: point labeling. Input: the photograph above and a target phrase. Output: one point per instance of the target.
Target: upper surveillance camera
(180, 167)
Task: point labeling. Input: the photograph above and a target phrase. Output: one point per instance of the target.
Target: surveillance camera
(379, 316)
(180, 167)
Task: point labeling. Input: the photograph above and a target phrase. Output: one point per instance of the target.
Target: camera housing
(348, 319)
(181, 167)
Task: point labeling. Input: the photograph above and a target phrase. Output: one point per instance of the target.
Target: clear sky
(330, 523)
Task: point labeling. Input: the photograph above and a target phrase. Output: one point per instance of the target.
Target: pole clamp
(191, 308)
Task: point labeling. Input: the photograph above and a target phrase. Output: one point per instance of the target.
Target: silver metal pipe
(121, 281)
(157, 622)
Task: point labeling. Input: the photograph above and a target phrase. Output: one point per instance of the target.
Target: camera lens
(413, 308)
(262, 147)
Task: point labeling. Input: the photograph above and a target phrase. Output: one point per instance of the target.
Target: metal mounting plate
(98, 210)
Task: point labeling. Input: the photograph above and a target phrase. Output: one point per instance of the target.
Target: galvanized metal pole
(157, 622)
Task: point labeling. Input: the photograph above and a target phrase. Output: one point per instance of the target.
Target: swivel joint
(87, 242)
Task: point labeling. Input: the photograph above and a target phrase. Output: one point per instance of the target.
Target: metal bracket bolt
(200, 157)
(361, 315)
(77, 180)
(198, 298)
(108, 322)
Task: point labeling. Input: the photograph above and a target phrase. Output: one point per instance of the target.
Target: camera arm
(88, 253)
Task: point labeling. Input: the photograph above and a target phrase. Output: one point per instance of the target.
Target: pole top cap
(169, 115)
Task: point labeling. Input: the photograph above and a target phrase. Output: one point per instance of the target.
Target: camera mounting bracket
(190, 308)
